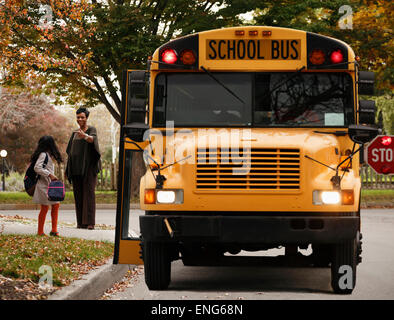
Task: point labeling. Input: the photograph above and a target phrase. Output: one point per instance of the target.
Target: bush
(14, 182)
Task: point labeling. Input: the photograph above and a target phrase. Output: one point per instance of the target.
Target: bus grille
(256, 168)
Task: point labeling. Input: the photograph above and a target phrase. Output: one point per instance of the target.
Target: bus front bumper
(297, 229)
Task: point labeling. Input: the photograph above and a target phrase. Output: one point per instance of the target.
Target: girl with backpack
(43, 157)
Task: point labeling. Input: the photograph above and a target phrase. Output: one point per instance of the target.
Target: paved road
(374, 279)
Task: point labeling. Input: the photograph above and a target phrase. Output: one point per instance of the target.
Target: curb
(92, 285)
(68, 206)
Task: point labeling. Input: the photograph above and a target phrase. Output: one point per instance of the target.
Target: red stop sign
(380, 154)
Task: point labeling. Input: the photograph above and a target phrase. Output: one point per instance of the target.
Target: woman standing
(43, 157)
(83, 165)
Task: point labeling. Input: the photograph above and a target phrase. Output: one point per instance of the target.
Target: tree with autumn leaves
(78, 49)
(24, 118)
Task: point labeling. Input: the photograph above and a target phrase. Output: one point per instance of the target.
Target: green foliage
(386, 107)
(14, 182)
(385, 111)
(107, 155)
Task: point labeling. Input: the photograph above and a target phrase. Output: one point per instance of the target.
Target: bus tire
(343, 267)
(157, 265)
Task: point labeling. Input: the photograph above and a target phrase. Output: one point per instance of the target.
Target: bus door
(134, 122)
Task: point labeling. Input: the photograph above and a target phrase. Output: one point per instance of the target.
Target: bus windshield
(274, 99)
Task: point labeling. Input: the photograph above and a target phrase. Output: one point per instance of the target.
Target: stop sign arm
(380, 154)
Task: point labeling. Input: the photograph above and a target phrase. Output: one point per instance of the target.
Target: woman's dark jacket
(82, 154)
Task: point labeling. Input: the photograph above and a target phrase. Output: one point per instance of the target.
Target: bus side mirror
(366, 112)
(366, 80)
(136, 105)
(362, 134)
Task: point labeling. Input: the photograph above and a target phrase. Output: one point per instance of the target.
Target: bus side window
(262, 105)
(159, 115)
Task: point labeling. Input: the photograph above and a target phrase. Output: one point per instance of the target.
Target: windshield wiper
(223, 85)
(337, 133)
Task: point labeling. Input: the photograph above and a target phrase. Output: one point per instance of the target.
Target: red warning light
(317, 57)
(386, 141)
(169, 56)
(187, 57)
(336, 56)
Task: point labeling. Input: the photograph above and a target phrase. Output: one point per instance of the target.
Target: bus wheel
(157, 265)
(343, 266)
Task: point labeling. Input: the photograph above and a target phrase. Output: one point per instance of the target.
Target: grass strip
(24, 198)
(22, 256)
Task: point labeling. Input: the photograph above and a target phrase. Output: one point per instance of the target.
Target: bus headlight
(330, 197)
(326, 197)
(164, 196)
(153, 196)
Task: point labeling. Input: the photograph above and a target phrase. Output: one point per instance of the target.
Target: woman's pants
(84, 196)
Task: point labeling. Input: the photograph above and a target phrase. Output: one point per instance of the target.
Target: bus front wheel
(343, 266)
(157, 265)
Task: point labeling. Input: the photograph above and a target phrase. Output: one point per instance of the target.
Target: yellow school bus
(251, 139)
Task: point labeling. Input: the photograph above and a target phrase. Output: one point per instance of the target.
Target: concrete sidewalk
(91, 286)
(68, 206)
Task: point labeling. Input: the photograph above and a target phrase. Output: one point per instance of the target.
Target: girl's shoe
(90, 227)
(41, 234)
(54, 234)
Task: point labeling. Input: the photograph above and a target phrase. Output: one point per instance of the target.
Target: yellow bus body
(325, 148)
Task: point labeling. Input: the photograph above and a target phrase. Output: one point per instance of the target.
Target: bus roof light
(169, 56)
(188, 57)
(253, 32)
(336, 56)
(239, 32)
(317, 57)
(267, 33)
